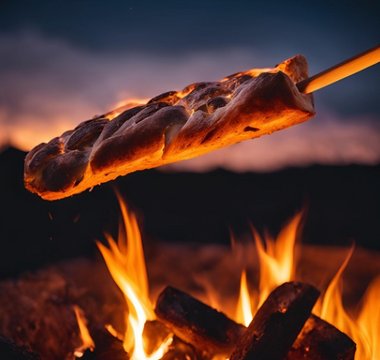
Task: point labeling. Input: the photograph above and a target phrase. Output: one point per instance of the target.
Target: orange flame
(88, 343)
(244, 308)
(277, 260)
(277, 266)
(125, 261)
(331, 309)
(369, 318)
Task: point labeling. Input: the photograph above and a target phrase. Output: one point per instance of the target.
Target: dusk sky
(62, 62)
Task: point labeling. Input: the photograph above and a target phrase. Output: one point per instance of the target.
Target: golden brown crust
(171, 127)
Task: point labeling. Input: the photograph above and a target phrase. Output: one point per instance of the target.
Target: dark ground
(343, 205)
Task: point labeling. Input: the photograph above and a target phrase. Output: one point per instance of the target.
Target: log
(106, 346)
(320, 340)
(277, 323)
(196, 323)
(9, 350)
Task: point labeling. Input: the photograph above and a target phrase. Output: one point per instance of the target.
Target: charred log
(277, 323)
(197, 323)
(11, 351)
(320, 340)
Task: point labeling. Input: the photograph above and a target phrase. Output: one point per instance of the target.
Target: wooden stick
(340, 71)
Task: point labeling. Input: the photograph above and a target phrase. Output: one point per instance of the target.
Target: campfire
(273, 311)
(261, 299)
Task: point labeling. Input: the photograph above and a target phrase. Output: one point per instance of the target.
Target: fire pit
(74, 309)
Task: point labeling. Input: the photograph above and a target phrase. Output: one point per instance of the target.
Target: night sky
(62, 62)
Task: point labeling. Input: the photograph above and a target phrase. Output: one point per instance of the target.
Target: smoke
(49, 86)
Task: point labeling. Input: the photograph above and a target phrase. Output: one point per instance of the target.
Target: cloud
(49, 86)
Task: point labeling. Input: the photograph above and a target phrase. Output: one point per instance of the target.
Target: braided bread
(170, 127)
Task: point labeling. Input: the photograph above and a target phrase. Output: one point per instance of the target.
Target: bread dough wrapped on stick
(171, 127)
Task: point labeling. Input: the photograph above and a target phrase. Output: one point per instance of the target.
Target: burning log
(11, 351)
(197, 323)
(277, 323)
(320, 340)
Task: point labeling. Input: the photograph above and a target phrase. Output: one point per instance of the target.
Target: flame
(369, 317)
(331, 309)
(277, 265)
(277, 260)
(125, 261)
(88, 343)
(244, 309)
